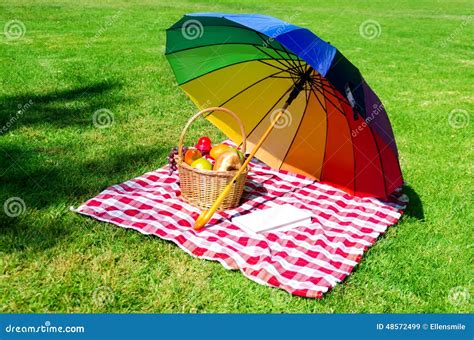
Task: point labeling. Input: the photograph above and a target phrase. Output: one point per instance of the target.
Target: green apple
(201, 164)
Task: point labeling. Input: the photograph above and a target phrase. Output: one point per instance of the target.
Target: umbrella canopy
(335, 128)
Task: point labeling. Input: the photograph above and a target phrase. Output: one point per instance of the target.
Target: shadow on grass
(415, 206)
(49, 178)
(60, 108)
(45, 183)
(59, 187)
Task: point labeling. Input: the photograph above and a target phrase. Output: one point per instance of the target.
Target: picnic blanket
(305, 261)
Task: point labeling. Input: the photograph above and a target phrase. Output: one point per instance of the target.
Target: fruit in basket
(204, 145)
(228, 160)
(219, 149)
(205, 141)
(172, 160)
(191, 155)
(205, 149)
(202, 164)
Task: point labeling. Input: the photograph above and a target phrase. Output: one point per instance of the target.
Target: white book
(278, 218)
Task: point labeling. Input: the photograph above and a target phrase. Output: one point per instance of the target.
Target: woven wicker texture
(200, 187)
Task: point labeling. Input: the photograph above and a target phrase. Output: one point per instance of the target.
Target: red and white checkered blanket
(306, 261)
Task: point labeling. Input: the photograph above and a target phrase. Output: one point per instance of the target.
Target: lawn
(77, 57)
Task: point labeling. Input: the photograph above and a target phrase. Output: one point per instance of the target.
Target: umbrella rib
(324, 87)
(264, 39)
(380, 160)
(303, 66)
(218, 44)
(296, 132)
(298, 60)
(320, 102)
(289, 59)
(330, 86)
(292, 75)
(307, 93)
(325, 137)
(352, 140)
(271, 108)
(326, 98)
(306, 67)
(350, 136)
(289, 70)
(237, 27)
(277, 60)
(284, 77)
(245, 89)
(317, 81)
(228, 65)
(232, 43)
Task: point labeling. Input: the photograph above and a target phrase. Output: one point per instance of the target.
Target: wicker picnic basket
(200, 187)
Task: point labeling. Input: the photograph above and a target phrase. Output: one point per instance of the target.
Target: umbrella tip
(201, 220)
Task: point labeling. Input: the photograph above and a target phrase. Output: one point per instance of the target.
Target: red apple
(204, 141)
(204, 145)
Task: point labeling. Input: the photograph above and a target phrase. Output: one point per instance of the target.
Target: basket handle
(199, 114)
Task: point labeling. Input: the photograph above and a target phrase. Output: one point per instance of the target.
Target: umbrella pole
(207, 214)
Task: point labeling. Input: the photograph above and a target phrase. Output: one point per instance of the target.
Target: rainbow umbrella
(333, 127)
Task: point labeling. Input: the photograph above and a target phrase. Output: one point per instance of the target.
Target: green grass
(81, 56)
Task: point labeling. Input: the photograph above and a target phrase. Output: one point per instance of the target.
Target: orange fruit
(191, 155)
(219, 149)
